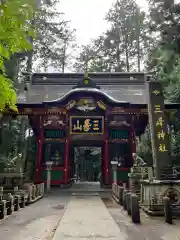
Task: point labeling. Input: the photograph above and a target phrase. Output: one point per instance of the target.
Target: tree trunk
(138, 41)
(118, 68)
(64, 56)
(29, 62)
(138, 56)
(127, 54)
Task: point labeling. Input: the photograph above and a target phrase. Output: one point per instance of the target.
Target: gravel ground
(35, 222)
(149, 229)
(39, 221)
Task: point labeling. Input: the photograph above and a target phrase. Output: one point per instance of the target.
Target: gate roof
(118, 87)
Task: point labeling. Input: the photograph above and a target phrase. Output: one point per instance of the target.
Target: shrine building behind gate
(106, 110)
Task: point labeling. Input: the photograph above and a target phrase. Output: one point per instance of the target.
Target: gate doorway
(86, 163)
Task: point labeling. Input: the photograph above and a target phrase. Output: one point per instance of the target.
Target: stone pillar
(30, 192)
(1, 193)
(155, 188)
(134, 180)
(16, 189)
(114, 167)
(48, 179)
(48, 168)
(158, 126)
(41, 189)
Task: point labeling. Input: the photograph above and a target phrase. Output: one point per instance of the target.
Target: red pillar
(66, 162)
(106, 162)
(133, 136)
(106, 154)
(40, 139)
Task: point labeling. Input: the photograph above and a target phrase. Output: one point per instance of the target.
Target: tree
(122, 45)
(165, 24)
(15, 27)
(128, 25)
(54, 36)
(144, 148)
(92, 57)
(164, 57)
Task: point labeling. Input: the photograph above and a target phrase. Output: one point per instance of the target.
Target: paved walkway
(90, 220)
(35, 222)
(87, 218)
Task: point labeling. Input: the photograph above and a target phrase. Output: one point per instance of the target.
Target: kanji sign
(157, 109)
(86, 125)
(160, 122)
(159, 126)
(156, 92)
(162, 148)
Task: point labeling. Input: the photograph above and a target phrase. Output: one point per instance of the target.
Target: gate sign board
(86, 125)
(158, 127)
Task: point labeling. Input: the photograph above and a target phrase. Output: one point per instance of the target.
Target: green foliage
(16, 149)
(30, 163)
(144, 147)
(15, 29)
(164, 23)
(164, 57)
(93, 57)
(122, 46)
(54, 37)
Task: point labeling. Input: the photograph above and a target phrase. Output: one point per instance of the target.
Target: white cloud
(87, 16)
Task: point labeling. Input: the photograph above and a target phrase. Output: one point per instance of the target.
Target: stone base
(152, 213)
(153, 192)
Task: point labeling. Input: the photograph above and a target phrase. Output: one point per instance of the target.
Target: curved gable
(86, 92)
(86, 88)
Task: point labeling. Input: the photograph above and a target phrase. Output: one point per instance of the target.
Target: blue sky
(87, 16)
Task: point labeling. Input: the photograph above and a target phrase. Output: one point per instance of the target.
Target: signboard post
(158, 127)
(163, 177)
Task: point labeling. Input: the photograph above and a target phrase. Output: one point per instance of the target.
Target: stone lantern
(48, 169)
(114, 168)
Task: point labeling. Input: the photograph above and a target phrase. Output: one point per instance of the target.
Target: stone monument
(163, 182)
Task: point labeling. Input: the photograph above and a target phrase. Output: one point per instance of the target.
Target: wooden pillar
(133, 139)
(40, 139)
(106, 155)
(66, 151)
(106, 163)
(66, 161)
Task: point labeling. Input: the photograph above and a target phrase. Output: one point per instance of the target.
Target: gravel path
(39, 222)
(35, 222)
(149, 229)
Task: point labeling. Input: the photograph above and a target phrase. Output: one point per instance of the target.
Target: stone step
(85, 194)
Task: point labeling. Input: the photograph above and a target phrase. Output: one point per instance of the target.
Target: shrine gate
(106, 111)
